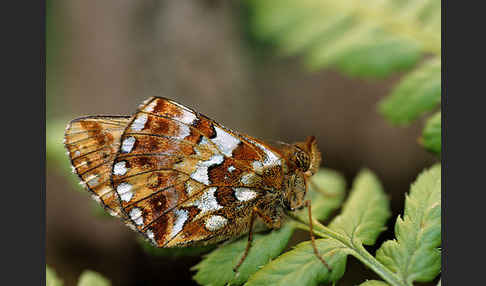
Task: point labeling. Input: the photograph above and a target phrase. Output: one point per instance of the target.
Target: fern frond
(415, 253)
(365, 38)
(417, 93)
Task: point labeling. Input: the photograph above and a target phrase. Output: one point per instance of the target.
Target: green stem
(357, 250)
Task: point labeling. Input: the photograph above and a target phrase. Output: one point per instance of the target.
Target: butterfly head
(305, 156)
(305, 159)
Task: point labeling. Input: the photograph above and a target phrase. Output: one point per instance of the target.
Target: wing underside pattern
(172, 174)
(184, 179)
(92, 143)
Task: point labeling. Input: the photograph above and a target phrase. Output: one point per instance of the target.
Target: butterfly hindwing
(92, 143)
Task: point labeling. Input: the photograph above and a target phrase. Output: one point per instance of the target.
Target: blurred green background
(106, 57)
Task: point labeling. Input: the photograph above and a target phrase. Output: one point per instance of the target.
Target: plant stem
(357, 250)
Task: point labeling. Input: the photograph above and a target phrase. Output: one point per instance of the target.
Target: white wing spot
(139, 123)
(127, 144)
(136, 216)
(231, 169)
(181, 217)
(270, 158)
(187, 117)
(151, 106)
(207, 202)
(215, 222)
(96, 198)
(124, 190)
(151, 236)
(245, 194)
(184, 131)
(120, 168)
(225, 141)
(201, 172)
(112, 213)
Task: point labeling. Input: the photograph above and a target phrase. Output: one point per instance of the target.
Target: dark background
(106, 57)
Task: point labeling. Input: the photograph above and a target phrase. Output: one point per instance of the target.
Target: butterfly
(181, 179)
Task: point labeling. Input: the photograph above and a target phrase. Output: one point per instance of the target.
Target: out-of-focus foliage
(417, 93)
(91, 278)
(431, 136)
(55, 151)
(87, 278)
(51, 278)
(362, 38)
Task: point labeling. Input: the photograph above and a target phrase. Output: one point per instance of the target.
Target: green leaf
(217, 267)
(51, 278)
(379, 59)
(431, 136)
(91, 278)
(414, 255)
(373, 283)
(301, 267)
(365, 212)
(416, 94)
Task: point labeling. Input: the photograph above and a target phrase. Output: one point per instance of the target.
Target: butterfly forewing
(183, 179)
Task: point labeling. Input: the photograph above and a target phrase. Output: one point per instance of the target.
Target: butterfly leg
(267, 221)
(313, 239)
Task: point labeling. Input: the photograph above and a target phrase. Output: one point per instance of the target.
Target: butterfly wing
(183, 179)
(92, 143)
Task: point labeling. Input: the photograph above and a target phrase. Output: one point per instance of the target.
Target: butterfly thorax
(302, 161)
